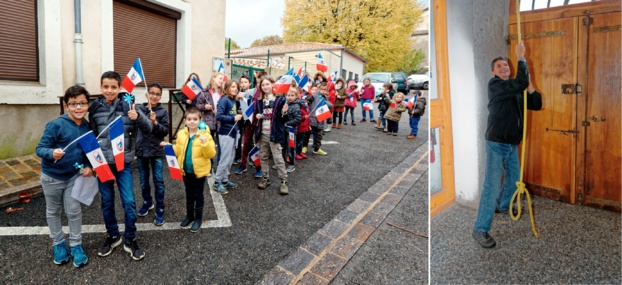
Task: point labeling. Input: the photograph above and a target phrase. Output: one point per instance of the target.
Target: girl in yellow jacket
(195, 165)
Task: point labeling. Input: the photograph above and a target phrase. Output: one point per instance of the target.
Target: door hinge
(585, 123)
(580, 198)
(572, 89)
(587, 21)
(564, 132)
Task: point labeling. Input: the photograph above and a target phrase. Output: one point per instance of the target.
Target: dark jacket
(384, 101)
(227, 111)
(148, 144)
(293, 113)
(505, 106)
(277, 126)
(313, 101)
(59, 133)
(209, 117)
(101, 114)
(419, 109)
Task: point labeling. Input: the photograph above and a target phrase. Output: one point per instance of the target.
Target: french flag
(94, 153)
(254, 155)
(301, 71)
(118, 143)
(283, 85)
(173, 165)
(322, 112)
(293, 74)
(332, 77)
(248, 113)
(192, 88)
(292, 137)
(133, 77)
(321, 64)
(221, 69)
(368, 105)
(409, 103)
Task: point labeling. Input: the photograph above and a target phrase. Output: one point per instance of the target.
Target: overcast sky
(248, 20)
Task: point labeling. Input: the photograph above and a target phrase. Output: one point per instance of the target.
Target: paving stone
(5, 169)
(297, 261)
(12, 162)
(333, 228)
(317, 243)
(377, 188)
(373, 219)
(30, 174)
(358, 206)
(391, 199)
(346, 247)
(17, 182)
(361, 232)
(347, 216)
(10, 175)
(20, 168)
(329, 266)
(4, 185)
(31, 162)
(2, 163)
(384, 208)
(311, 278)
(370, 196)
(276, 276)
(399, 190)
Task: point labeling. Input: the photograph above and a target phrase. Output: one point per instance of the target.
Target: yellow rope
(520, 186)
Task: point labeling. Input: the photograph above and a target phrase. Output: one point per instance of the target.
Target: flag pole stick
(102, 132)
(65, 148)
(144, 81)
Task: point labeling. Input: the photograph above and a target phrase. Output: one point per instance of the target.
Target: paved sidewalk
(342, 249)
(19, 176)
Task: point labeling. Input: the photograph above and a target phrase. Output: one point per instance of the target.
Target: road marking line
(223, 220)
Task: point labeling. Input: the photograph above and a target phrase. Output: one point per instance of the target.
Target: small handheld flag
(117, 142)
(173, 165)
(221, 69)
(133, 77)
(292, 137)
(94, 153)
(283, 85)
(322, 112)
(248, 113)
(321, 64)
(192, 88)
(409, 103)
(254, 155)
(368, 105)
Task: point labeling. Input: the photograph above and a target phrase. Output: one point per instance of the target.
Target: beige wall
(25, 107)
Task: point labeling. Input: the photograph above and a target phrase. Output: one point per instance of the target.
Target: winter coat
(505, 106)
(384, 100)
(340, 99)
(419, 109)
(209, 117)
(101, 114)
(59, 133)
(368, 93)
(277, 126)
(313, 100)
(355, 96)
(395, 114)
(148, 145)
(304, 125)
(226, 113)
(201, 153)
(293, 113)
(331, 94)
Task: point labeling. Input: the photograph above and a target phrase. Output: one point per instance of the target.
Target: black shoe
(189, 217)
(353, 123)
(109, 245)
(131, 246)
(485, 240)
(198, 220)
(345, 123)
(506, 212)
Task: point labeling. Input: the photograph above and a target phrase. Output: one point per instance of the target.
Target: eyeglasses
(76, 104)
(155, 94)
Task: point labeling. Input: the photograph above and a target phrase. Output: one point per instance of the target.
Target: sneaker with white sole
(320, 152)
(79, 256)
(61, 253)
(131, 246)
(485, 240)
(290, 168)
(109, 245)
(144, 210)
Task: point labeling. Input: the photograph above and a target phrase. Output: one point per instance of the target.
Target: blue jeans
(125, 184)
(383, 121)
(155, 163)
(414, 125)
(501, 161)
(371, 112)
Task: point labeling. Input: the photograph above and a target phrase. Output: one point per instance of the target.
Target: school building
(50, 45)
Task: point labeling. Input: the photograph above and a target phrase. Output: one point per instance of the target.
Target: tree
(412, 61)
(378, 30)
(234, 45)
(267, 41)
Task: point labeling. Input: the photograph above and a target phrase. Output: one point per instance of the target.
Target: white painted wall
(476, 32)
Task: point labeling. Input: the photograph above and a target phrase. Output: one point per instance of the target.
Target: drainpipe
(341, 64)
(77, 42)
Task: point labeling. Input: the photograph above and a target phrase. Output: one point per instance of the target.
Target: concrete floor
(578, 245)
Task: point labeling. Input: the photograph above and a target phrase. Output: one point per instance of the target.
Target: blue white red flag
(368, 105)
(292, 137)
(322, 112)
(221, 69)
(192, 88)
(321, 64)
(173, 165)
(133, 77)
(248, 112)
(283, 85)
(254, 155)
(94, 153)
(117, 142)
(332, 77)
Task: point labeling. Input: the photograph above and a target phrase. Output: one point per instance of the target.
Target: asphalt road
(265, 226)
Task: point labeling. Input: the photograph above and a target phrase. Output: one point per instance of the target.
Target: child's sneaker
(79, 256)
(230, 185)
(131, 246)
(240, 170)
(363, 120)
(159, 219)
(109, 245)
(411, 137)
(61, 254)
(264, 183)
(218, 187)
(304, 149)
(284, 190)
(345, 123)
(353, 123)
(395, 134)
(320, 152)
(304, 156)
(299, 157)
(274, 167)
(258, 174)
(145, 209)
(372, 121)
(290, 168)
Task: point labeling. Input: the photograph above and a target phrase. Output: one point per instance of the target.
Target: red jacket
(305, 122)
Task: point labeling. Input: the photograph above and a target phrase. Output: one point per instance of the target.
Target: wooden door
(599, 111)
(551, 141)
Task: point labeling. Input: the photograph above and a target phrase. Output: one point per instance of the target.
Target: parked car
(419, 80)
(400, 84)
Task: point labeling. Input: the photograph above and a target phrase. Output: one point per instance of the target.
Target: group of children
(279, 126)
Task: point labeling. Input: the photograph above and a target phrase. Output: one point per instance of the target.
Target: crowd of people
(277, 127)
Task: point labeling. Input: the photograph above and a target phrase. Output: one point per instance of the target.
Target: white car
(419, 81)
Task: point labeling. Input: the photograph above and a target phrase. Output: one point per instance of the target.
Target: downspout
(341, 64)
(77, 42)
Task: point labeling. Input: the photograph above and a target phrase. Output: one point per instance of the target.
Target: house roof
(291, 48)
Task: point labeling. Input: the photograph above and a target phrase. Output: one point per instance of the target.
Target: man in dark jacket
(149, 153)
(503, 134)
(102, 112)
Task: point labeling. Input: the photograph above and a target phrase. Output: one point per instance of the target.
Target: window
(350, 76)
(528, 5)
(343, 73)
(19, 59)
(140, 32)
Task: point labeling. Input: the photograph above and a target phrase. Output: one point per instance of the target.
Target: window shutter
(18, 41)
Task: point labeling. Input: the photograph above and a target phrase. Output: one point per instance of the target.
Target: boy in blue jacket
(59, 173)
